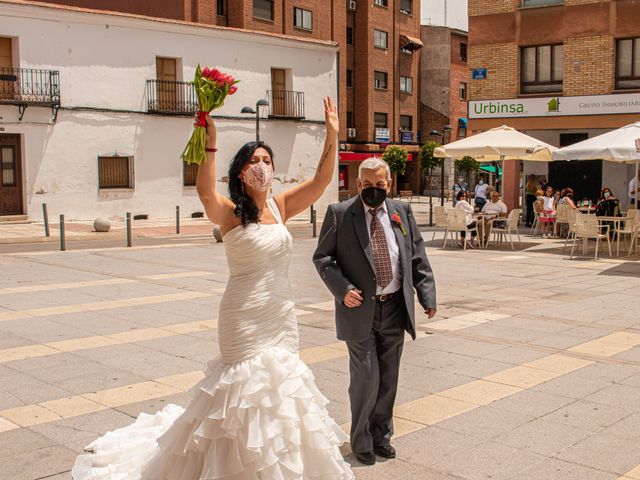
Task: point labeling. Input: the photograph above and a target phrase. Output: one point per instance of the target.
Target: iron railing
(166, 96)
(28, 86)
(285, 103)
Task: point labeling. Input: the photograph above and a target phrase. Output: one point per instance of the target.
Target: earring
(242, 188)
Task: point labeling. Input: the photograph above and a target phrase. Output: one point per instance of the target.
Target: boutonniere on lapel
(398, 221)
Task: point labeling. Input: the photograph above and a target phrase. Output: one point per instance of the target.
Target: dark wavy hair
(246, 208)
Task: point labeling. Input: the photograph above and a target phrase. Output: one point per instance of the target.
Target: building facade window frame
(380, 39)
(380, 120)
(221, 8)
(628, 76)
(406, 7)
(463, 51)
(404, 125)
(116, 172)
(545, 62)
(462, 90)
(303, 19)
(349, 35)
(189, 174)
(350, 120)
(406, 84)
(381, 3)
(260, 7)
(380, 80)
(540, 3)
(349, 77)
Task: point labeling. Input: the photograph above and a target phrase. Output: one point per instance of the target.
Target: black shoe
(385, 451)
(368, 458)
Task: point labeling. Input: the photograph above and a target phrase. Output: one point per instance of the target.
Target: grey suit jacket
(344, 261)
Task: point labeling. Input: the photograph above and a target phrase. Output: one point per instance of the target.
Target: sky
(433, 12)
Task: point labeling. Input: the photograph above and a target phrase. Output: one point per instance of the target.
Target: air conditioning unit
(351, 5)
(351, 132)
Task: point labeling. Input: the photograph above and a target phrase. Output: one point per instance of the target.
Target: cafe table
(616, 221)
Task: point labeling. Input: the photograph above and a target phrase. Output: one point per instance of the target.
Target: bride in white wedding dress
(257, 414)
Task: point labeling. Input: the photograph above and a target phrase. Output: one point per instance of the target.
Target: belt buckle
(385, 297)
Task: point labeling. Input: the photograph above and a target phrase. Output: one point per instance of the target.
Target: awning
(361, 156)
(462, 123)
(411, 43)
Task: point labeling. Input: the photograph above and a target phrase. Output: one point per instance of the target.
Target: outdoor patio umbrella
(621, 145)
(500, 143)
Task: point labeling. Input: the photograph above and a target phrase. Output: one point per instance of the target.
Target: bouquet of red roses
(212, 87)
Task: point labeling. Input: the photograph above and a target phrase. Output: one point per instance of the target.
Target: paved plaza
(530, 370)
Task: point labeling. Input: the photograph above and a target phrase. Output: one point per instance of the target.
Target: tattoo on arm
(324, 157)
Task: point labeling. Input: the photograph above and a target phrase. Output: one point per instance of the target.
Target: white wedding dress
(257, 414)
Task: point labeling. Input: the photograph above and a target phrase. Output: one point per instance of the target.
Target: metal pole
(313, 222)
(311, 213)
(128, 229)
(257, 124)
(45, 216)
(63, 245)
(177, 219)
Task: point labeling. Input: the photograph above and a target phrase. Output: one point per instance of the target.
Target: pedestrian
(464, 206)
(530, 197)
(459, 186)
(480, 197)
(372, 258)
(633, 190)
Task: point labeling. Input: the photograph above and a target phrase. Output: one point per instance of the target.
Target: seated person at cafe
(463, 205)
(494, 209)
(608, 205)
(566, 198)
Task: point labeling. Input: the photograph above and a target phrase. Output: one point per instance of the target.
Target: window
(380, 3)
(406, 84)
(537, 3)
(406, 6)
(350, 123)
(189, 174)
(8, 166)
(380, 39)
(349, 36)
(349, 77)
(628, 63)
(463, 52)
(221, 7)
(406, 123)
(380, 80)
(303, 18)
(541, 69)
(463, 91)
(263, 9)
(406, 50)
(380, 120)
(115, 172)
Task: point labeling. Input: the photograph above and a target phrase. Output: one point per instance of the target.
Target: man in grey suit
(371, 256)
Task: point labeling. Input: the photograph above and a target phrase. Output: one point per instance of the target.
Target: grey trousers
(374, 365)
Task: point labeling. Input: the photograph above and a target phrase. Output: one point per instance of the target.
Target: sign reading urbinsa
(555, 106)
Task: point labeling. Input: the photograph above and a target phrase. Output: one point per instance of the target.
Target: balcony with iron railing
(285, 104)
(171, 97)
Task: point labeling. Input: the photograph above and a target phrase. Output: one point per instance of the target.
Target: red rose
(206, 72)
(230, 80)
(215, 73)
(232, 89)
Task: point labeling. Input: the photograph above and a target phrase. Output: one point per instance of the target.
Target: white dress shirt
(481, 191)
(495, 208)
(394, 250)
(632, 188)
(468, 210)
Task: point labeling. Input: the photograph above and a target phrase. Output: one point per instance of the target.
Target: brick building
(560, 70)
(443, 90)
(378, 67)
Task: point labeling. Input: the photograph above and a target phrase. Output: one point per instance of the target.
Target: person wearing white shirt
(633, 186)
(481, 194)
(394, 251)
(464, 206)
(493, 209)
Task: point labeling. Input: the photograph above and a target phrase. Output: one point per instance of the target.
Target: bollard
(177, 219)
(311, 213)
(128, 229)
(313, 221)
(45, 216)
(63, 245)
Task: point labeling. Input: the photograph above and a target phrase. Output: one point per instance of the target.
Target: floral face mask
(258, 177)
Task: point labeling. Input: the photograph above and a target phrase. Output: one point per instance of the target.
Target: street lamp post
(260, 103)
(442, 133)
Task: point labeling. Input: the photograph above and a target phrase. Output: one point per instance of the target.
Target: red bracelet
(210, 149)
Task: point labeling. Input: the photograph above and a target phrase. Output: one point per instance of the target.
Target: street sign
(479, 74)
(382, 135)
(406, 137)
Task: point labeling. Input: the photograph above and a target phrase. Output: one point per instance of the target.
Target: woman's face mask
(481, 182)
(258, 177)
(606, 194)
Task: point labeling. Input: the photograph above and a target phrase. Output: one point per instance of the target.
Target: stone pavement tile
(426, 474)
(40, 366)
(488, 460)
(576, 384)
(432, 444)
(35, 464)
(551, 468)
(144, 315)
(383, 469)
(628, 427)
(634, 473)
(604, 452)
(477, 367)
(560, 341)
(480, 392)
(506, 333)
(28, 389)
(461, 346)
(317, 336)
(42, 330)
(532, 403)
(436, 359)
(622, 396)
(522, 376)
(154, 404)
(183, 346)
(77, 432)
(486, 422)
(545, 436)
(429, 380)
(515, 355)
(588, 415)
(432, 409)
(632, 355)
(22, 440)
(9, 340)
(527, 322)
(153, 364)
(97, 376)
(611, 372)
(559, 363)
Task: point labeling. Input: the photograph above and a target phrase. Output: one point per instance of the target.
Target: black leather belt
(385, 297)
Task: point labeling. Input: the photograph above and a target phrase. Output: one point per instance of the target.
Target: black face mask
(373, 196)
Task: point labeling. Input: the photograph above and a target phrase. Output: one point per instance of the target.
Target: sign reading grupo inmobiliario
(555, 106)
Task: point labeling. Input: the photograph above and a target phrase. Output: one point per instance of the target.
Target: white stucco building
(113, 142)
